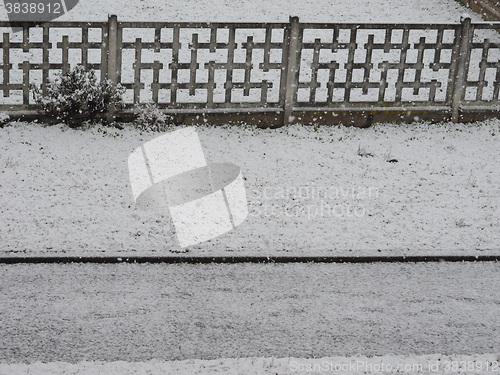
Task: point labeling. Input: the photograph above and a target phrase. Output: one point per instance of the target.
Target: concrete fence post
(292, 71)
(465, 40)
(112, 58)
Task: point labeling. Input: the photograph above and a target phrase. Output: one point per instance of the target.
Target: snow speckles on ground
(311, 191)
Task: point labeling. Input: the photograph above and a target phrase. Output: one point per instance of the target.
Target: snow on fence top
(271, 67)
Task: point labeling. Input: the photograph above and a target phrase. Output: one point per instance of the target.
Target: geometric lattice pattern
(482, 83)
(203, 66)
(376, 64)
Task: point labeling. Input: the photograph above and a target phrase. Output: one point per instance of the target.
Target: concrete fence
(489, 9)
(271, 74)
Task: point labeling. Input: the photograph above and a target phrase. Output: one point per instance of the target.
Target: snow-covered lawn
(379, 11)
(390, 189)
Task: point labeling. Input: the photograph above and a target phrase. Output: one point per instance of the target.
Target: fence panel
(376, 65)
(203, 66)
(482, 83)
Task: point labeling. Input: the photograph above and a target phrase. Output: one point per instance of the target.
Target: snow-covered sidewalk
(90, 319)
(139, 312)
(416, 189)
(424, 364)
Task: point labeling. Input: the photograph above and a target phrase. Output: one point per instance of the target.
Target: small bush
(77, 96)
(151, 118)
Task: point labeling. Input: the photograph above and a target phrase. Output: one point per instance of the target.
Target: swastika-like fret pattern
(483, 67)
(37, 54)
(376, 64)
(203, 66)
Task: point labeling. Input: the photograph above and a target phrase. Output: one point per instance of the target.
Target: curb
(249, 259)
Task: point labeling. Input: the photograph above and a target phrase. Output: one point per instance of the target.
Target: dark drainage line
(249, 259)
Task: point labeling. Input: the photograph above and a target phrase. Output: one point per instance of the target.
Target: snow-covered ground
(66, 191)
(140, 312)
(311, 191)
(379, 11)
(424, 364)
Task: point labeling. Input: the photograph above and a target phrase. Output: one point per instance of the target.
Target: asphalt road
(132, 312)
